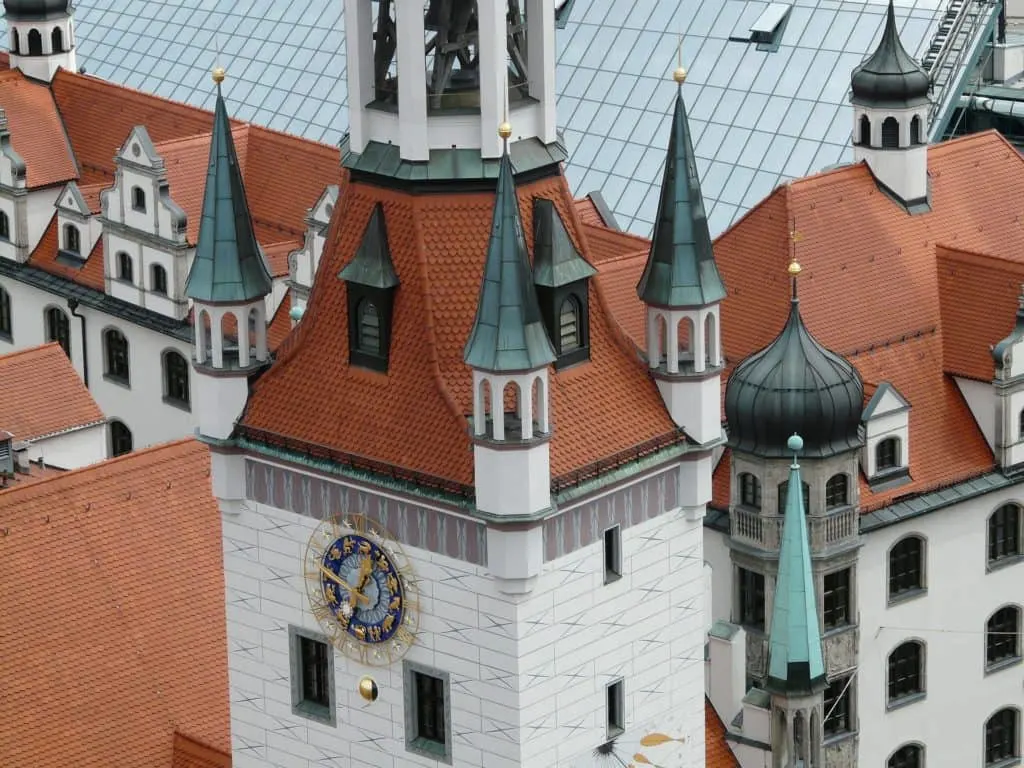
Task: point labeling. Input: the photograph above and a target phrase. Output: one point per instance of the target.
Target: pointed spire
(796, 665)
(507, 334)
(556, 262)
(228, 264)
(372, 265)
(681, 269)
(891, 76)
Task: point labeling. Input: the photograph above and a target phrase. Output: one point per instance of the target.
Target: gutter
(73, 306)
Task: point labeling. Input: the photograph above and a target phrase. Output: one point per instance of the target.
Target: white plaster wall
(139, 291)
(89, 231)
(981, 399)
(528, 674)
(141, 407)
(716, 555)
(39, 206)
(950, 619)
(73, 449)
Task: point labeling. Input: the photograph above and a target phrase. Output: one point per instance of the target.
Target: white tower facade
(41, 36)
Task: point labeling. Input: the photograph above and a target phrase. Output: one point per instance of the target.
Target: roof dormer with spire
(891, 107)
(41, 36)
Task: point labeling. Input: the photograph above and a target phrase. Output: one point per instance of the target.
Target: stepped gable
(91, 274)
(438, 244)
(37, 133)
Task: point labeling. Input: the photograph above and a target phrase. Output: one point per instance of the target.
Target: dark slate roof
(890, 77)
(372, 265)
(794, 384)
(681, 269)
(556, 262)
(507, 334)
(35, 9)
(228, 264)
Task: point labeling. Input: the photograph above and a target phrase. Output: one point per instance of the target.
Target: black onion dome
(35, 9)
(891, 77)
(794, 385)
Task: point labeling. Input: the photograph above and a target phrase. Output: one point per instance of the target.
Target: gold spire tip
(794, 268)
(505, 129)
(219, 74)
(679, 75)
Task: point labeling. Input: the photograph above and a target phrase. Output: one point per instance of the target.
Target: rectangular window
(837, 599)
(612, 554)
(616, 693)
(427, 712)
(751, 608)
(837, 707)
(312, 668)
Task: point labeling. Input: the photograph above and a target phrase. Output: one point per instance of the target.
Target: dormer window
(138, 199)
(886, 418)
(887, 454)
(72, 239)
(372, 283)
(561, 277)
(124, 267)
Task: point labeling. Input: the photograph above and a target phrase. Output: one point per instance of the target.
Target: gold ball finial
(679, 75)
(794, 268)
(219, 74)
(505, 129)
(368, 689)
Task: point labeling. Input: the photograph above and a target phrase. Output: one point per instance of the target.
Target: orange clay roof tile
(91, 194)
(37, 133)
(189, 753)
(135, 650)
(588, 213)
(716, 749)
(438, 244)
(41, 394)
(277, 252)
(91, 273)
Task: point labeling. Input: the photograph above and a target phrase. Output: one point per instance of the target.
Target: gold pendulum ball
(368, 689)
(794, 268)
(218, 75)
(679, 75)
(505, 129)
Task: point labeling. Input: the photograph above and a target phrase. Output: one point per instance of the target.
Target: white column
(540, 41)
(359, 45)
(262, 352)
(412, 83)
(493, 75)
(244, 340)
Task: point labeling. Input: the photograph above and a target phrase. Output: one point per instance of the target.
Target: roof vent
(6, 454)
(767, 30)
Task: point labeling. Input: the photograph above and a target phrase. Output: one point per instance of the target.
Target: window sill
(125, 281)
(1004, 763)
(837, 737)
(610, 577)
(907, 595)
(180, 404)
(1003, 664)
(837, 630)
(9, 338)
(429, 748)
(905, 701)
(1003, 562)
(313, 711)
(121, 382)
(614, 733)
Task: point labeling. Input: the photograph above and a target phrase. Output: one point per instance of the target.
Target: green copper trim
(228, 265)
(796, 664)
(556, 262)
(372, 265)
(508, 333)
(681, 269)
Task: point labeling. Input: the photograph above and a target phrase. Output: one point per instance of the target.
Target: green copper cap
(796, 665)
(372, 265)
(228, 265)
(681, 269)
(508, 334)
(556, 262)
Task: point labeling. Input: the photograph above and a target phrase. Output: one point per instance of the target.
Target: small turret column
(41, 36)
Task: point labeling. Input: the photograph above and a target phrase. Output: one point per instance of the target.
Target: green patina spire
(681, 270)
(228, 265)
(508, 333)
(796, 665)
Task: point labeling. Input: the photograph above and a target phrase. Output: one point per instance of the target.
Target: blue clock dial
(362, 588)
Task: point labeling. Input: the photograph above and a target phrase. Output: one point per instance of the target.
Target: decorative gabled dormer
(561, 276)
(682, 290)
(303, 263)
(885, 459)
(41, 36)
(228, 284)
(78, 229)
(371, 286)
(890, 106)
(13, 194)
(1008, 386)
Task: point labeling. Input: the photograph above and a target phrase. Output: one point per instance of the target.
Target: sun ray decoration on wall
(648, 741)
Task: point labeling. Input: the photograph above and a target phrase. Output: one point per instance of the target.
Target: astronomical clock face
(360, 589)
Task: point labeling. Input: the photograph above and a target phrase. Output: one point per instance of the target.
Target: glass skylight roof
(758, 117)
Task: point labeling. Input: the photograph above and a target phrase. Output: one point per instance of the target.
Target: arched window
(782, 497)
(138, 199)
(1002, 636)
(6, 321)
(837, 492)
(1004, 533)
(35, 43)
(750, 491)
(865, 131)
(115, 356)
(906, 671)
(124, 267)
(1002, 737)
(915, 130)
(368, 319)
(72, 240)
(158, 279)
(906, 566)
(569, 325)
(907, 756)
(176, 389)
(15, 42)
(1020, 426)
(57, 40)
(58, 328)
(890, 132)
(5, 226)
(120, 439)
(887, 454)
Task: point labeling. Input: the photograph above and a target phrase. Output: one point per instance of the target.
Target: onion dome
(794, 385)
(35, 9)
(891, 77)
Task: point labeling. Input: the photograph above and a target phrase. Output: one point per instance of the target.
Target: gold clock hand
(354, 594)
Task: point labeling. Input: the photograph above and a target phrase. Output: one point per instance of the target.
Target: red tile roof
(189, 753)
(91, 273)
(133, 646)
(41, 394)
(716, 749)
(438, 245)
(37, 133)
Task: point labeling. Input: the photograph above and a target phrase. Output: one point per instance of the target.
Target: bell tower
(40, 36)
(441, 75)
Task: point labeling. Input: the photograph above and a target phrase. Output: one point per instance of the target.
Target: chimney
(727, 652)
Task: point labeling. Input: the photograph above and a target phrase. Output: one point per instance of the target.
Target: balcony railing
(765, 531)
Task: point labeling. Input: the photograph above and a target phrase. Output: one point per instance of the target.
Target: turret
(682, 290)
(228, 284)
(41, 36)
